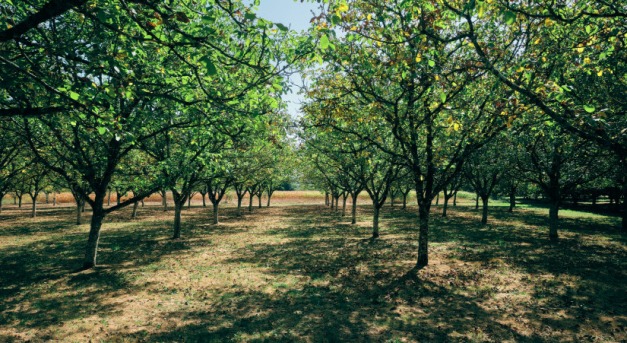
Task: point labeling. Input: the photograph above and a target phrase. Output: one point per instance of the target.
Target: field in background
(303, 273)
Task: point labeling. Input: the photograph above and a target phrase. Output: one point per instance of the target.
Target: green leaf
(324, 42)
(431, 63)
(250, 16)
(509, 17)
(281, 27)
(588, 108)
(211, 68)
(102, 130)
(74, 95)
(443, 97)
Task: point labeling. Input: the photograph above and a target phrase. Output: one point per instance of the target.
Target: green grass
(303, 273)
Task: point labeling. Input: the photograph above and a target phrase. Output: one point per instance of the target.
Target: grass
(303, 273)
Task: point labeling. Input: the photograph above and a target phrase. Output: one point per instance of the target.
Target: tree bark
(404, 201)
(19, 201)
(164, 201)
(553, 220)
(215, 213)
(445, 205)
(437, 199)
(477, 202)
(178, 207)
(54, 199)
(79, 213)
(512, 200)
(455, 198)
(354, 208)
(134, 214)
(484, 214)
(269, 197)
(344, 205)
(109, 198)
(423, 235)
(375, 222)
(204, 202)
(97, 217)
(189, 202)
(33, 212)
(259, 200)
(251, 196)
(239, 204)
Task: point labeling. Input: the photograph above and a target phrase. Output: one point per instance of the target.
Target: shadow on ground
(500, 282)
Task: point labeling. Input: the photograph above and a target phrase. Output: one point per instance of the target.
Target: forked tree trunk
(484, 214)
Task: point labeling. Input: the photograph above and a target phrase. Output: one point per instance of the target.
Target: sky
(295, 15)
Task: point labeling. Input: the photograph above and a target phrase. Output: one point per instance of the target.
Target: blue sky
(295, 15)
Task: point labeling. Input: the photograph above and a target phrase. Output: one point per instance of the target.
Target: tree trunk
(455, 199)
(142, 201)
(19, 201)
(326, 198)
(204, 202)
(437, 199)
(33, 212)
(404, 201)
(375, 222)
(178, 207)
(423, 235)
(251, 196)
(512, 200)
(189, 202)
(484, 214)
(215, 213)
(97, 217)
(553, 220)
(47, 197)
(259, 200)
(445, 205)
(117, 198)
(134, 214)
(476, 202)
(79, 213)
(109, 198)
(54, 199)
(344, 205)
(392, 200)
(164, 201)
(269, 196)
(354, 209)
(239, 204)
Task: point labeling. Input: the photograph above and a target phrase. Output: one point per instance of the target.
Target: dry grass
(302, 273)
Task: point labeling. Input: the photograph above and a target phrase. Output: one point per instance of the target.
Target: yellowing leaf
(587, 60)
(369, 17)
(600, 73)
(342, 8)
(456, 126)
(418, 58)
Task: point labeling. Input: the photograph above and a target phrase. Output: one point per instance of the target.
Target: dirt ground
(298, 271)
